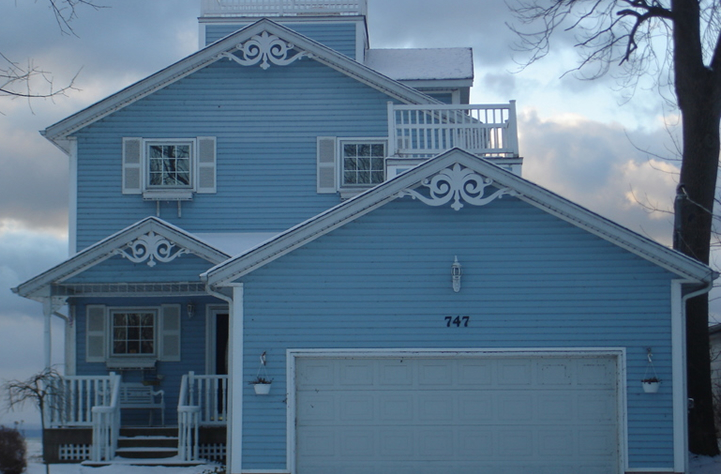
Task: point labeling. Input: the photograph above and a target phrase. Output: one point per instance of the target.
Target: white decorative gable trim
(457, 183)
(263, 48)
(151, 247)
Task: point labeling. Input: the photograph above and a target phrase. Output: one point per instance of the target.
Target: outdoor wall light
(191, 310)
(456, 275)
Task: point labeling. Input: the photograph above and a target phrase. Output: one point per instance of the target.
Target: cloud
(601, 167)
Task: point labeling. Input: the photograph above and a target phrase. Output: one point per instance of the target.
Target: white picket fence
(263, 8)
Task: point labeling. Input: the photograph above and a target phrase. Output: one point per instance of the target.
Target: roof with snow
(422, 64)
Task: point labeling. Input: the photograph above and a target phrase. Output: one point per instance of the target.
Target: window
(133, 333)
(130, 337)
(169, 165)
(169, 169)
(362, 163)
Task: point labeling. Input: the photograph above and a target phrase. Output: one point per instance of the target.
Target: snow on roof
(422, 64)
(234, 243)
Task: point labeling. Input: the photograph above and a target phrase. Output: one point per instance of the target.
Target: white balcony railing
(422, 131)
(203, 401)
(273, 8)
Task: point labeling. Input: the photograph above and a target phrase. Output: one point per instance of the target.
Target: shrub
(12, 451)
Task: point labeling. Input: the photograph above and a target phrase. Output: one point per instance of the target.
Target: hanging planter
(261, 384)
(650, 383)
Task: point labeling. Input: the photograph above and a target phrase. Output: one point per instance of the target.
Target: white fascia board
(58, 132)
(103, 250)
(533, 194)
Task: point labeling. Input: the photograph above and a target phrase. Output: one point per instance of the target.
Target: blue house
(293, 253)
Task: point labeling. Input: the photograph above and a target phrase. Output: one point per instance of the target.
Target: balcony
(275, 8)
(423, 131)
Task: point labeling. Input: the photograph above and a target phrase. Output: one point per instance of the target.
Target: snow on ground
(698, 465)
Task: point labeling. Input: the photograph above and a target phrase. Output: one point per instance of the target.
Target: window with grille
(362, 163)
(133, 333)
(169, 165)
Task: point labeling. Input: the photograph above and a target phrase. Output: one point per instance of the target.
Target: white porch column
(48, 341)
(235, 380)
(70, 338)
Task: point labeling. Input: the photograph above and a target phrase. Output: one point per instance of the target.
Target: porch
(84, 414)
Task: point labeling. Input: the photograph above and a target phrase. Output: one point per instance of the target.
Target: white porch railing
(265, 8)
(203, 401)
(106, 424)
(421, 131)
(73, 398)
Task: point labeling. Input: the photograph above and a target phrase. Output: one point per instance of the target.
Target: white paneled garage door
(520, 414)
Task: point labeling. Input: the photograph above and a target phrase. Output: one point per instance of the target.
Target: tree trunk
(698, 176)
(698, 92)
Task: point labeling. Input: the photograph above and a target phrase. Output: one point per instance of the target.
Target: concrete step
(150, 452)
(147, 441)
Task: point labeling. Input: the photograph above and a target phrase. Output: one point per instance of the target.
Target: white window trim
(179, 193)
(355, 189)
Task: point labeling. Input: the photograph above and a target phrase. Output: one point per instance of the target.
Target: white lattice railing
(106, 424)
(73, 398)
(263, 8)
(426, 130)
(203, 401)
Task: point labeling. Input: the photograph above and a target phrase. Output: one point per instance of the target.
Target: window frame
(342, 141)
(151, 191)
(110, 349)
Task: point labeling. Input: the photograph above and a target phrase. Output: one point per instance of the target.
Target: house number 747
(458, 321)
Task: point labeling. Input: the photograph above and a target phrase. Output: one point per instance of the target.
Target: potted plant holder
(650, 383)
(261, 383)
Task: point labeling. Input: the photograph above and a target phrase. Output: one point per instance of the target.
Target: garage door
(456, 414)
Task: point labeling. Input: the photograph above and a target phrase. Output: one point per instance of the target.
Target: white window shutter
(169, 332)
(95, 334)
(326, 165)
(206, 182)
(132, 165)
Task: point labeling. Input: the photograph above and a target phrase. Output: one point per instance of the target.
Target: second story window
(362, 163)
(169, 165)
(169, 169)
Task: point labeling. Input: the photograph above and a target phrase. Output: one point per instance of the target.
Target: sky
(593, 142)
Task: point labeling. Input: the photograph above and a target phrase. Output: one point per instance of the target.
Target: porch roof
(53, 282)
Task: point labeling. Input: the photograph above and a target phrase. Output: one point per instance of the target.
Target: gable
(507, 249)
(119, 268)
(150, 242)
(454, 178)
(244, 43)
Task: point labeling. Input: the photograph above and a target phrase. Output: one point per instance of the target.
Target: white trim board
(619, 353)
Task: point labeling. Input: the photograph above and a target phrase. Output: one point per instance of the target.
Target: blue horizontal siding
(529, 280)
(119, 269)
(266, 146)
(193, 334)
(340, 36)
